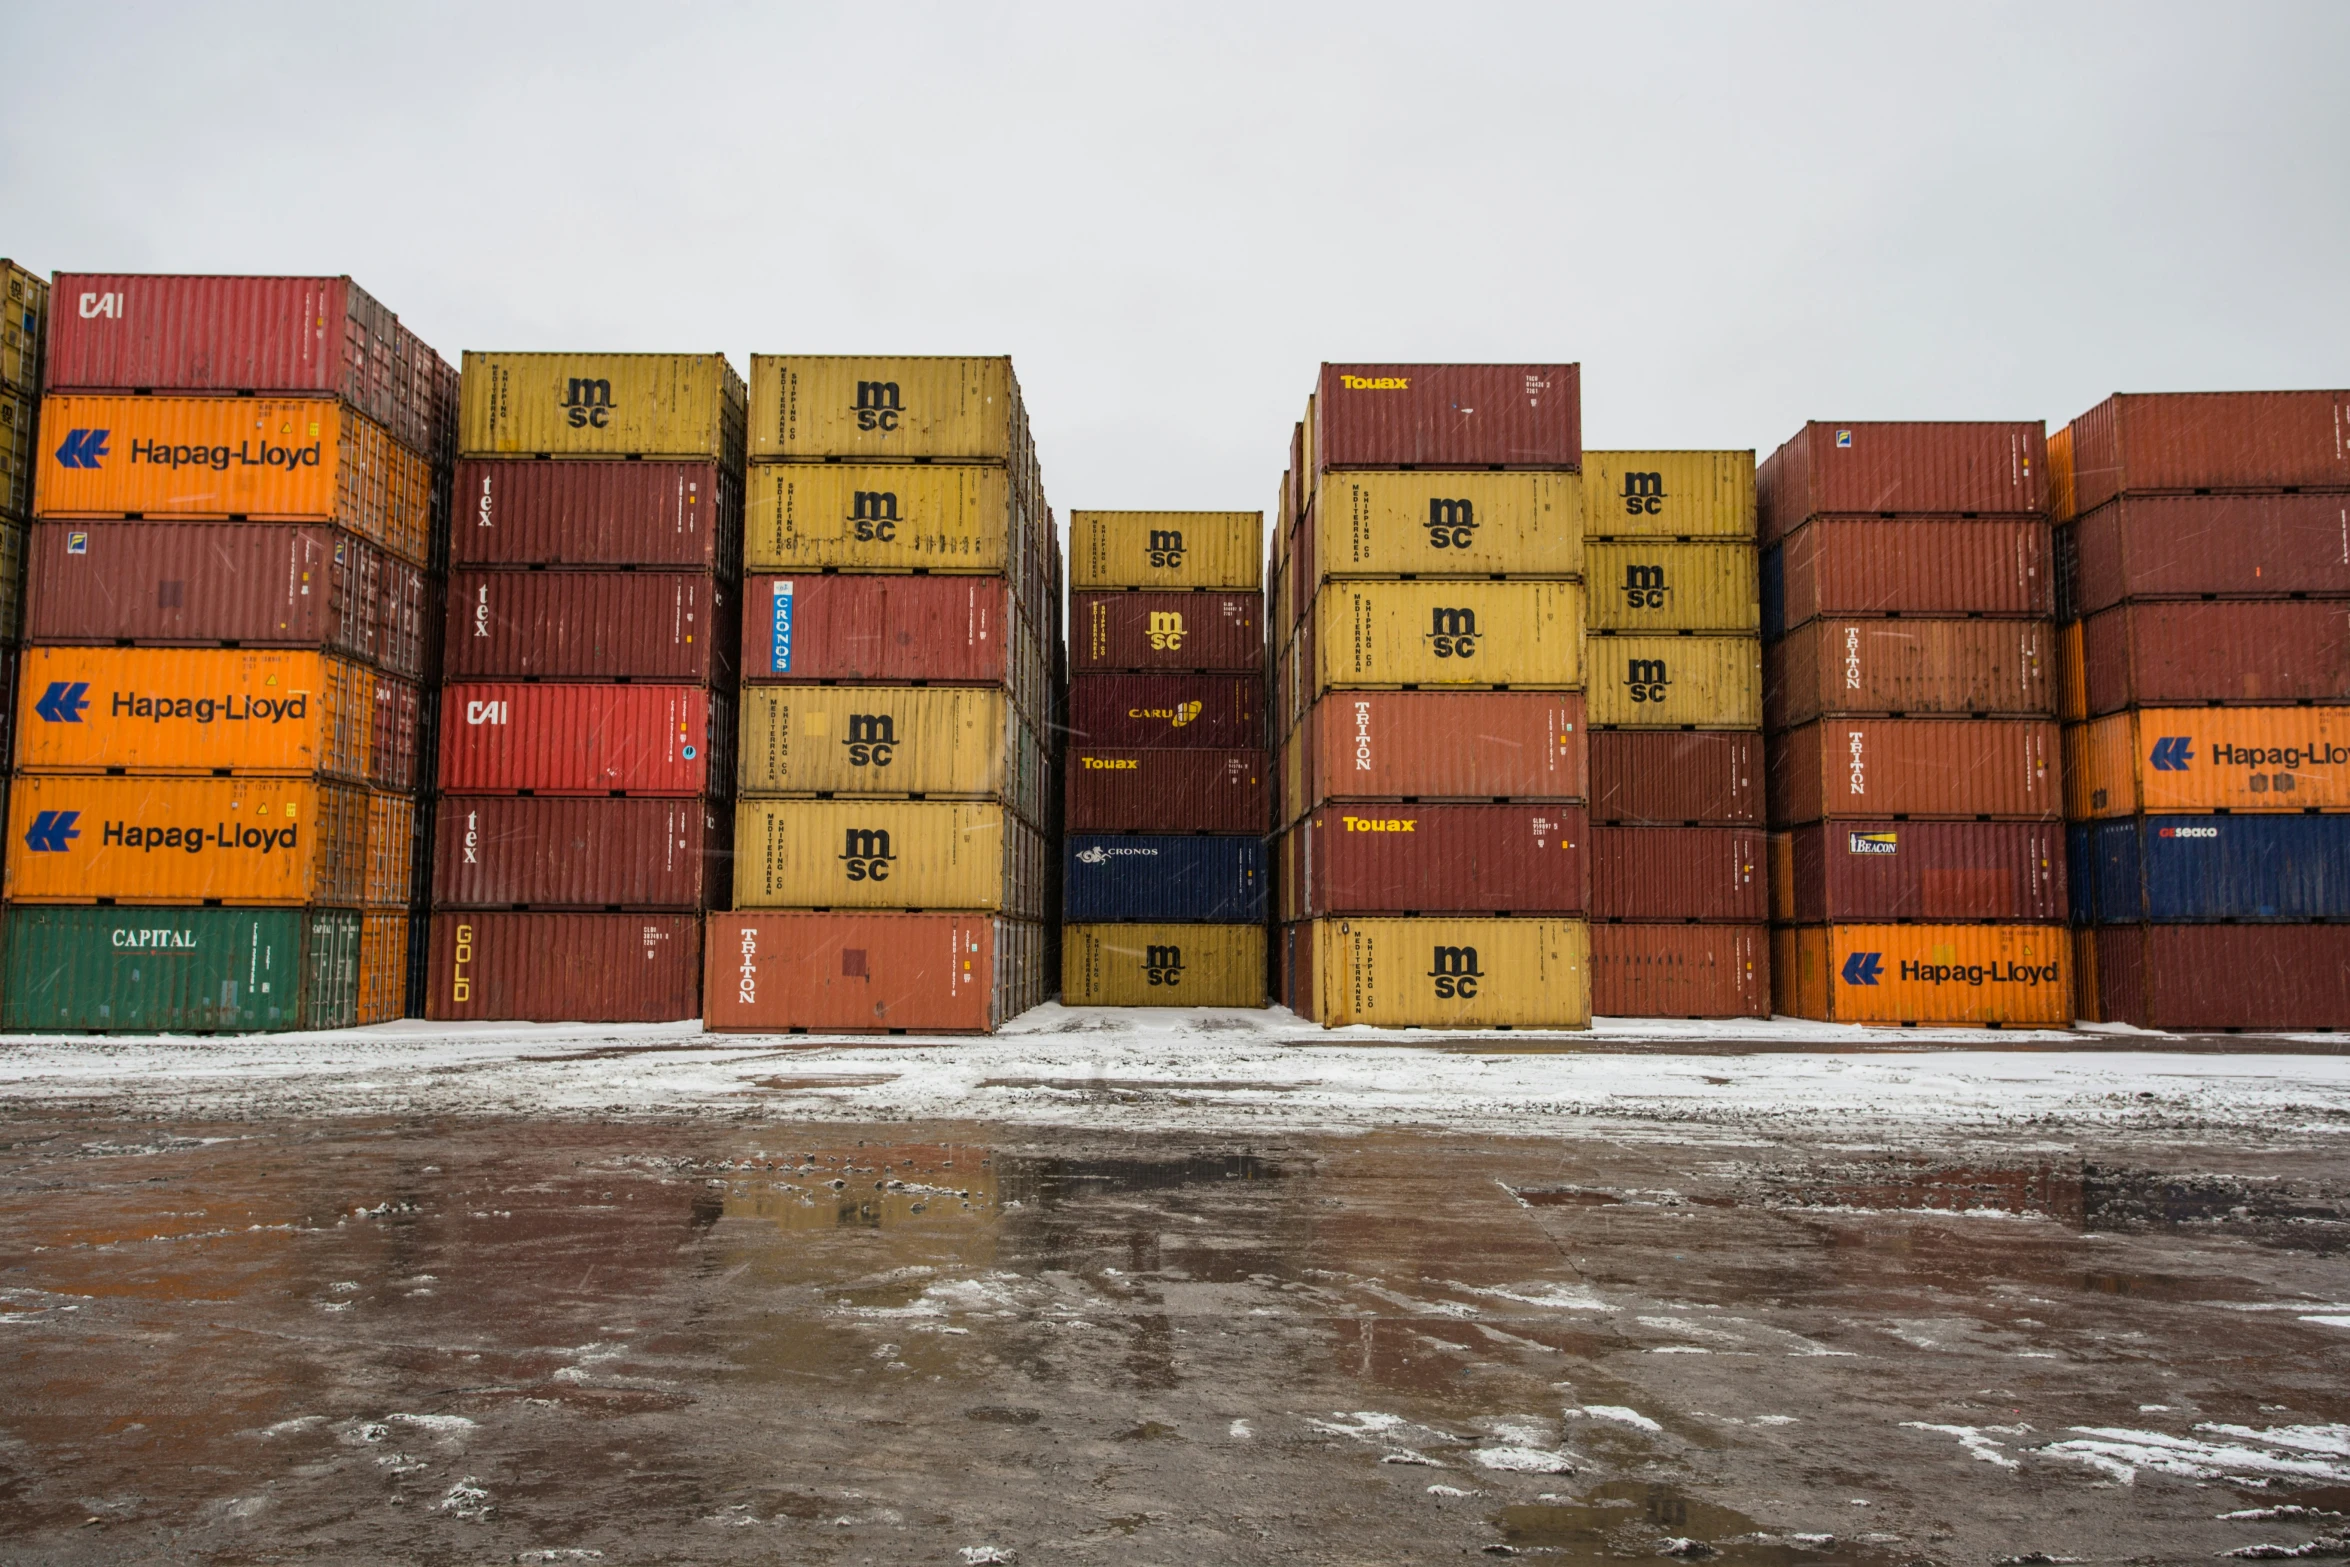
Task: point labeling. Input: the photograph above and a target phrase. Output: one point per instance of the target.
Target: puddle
(1632, 1520)
(1565, 1197)
(2078, 1196)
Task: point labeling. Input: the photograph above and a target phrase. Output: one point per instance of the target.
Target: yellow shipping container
(1676, 682)
(383, 968)
(193, 711)
(886, 406)
(1439, 524)
(600, 405)
(240, 841)
(1369, 634)
(24, 296)
(1166, 549)
(1665, 585)
(20, 457)
(1453, 973)
(1163, 965)
(1685, 495)
(2208, 759)
(2011, 975)
(812, 516)
(886, 854)
(877, 740)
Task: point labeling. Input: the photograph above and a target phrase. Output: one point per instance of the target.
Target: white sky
(1736, 217)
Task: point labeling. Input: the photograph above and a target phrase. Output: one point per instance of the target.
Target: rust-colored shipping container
(2194, 977)
(1953, 768)
(870, 973)
(1441, 859)
(2139, 441)
(499, 738)
(1693, 971)
(2193, 546)
(1441, 745)
(2275, 652)
(564, 968)
(891, 630)
(1998, 975)
(597, 514)
(665, 627)
(1669, 777)
(1884, 870)
(1166, 631)
(383, 968)
(399, 728)
(1909, 665)
(1168, 789)
(243, 584)
(1909, 566)
(2157, 759)
(1679, 873)
(508, 852)
(1982, 467)
(1215, 712)
(1449, 416)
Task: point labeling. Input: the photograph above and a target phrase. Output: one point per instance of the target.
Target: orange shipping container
(383, 968)
(2006, 975)
(239, 841)
(1952, 768)
(194, 711)
(2208, 759)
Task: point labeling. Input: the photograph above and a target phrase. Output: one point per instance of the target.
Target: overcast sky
(1736, 217)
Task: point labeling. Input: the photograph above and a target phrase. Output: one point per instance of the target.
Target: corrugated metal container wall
(1674, 495)
(650, 626)
(1675, 777)
(2278, 652)
(598, 514)
(1692, 971)
(504, 852)
(2209, 758)
(2190, 546)
(1380, 745)
(180, 971)
(576, 739)
(2170, 868)
(1154, 631)
(883, 406)
(1864, 768)
(1651, 682)
(1888, 870)
(1159, 877)
(195, 710)
(1679, 873)
(1903, 466)
(601, 405)
(2210, 440)
(383, 968)
(879, 740)
(887, 854)
(1167, 549)
(186, 840)
(1668, 585)
(1443, 859)
(1908, 666)
(1867, 566)
(1438, 524)
(1167, 789)
(1452, 973)
(398, 721)
(2011, 975)
(862, 973)
(2223, 976)
(810, 517)
(1215, 712)
(1163, 965)
(24, 313)
(556, 968)
(1448, 416)
(944, 630)
(14, 538)
(391, 850)
(20, 460)
(1449, 633)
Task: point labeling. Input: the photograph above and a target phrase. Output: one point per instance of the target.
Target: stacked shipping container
(2204, 587)
(213, 827)
(24, 322)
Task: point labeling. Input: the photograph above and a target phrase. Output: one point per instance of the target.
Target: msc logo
(93, 306)
(63, 702)
(1455, 971)
(587, 403)
(1162, 965)
(873, 739)
(1647, 679)
(866, 854)
(1452, 525)
(1453, 632)
(51, 831)
(874, 515)
(1166, 547)
(1863, 968)
(878, 407)
(1644, 494)
(1166, 631)
(82, 448)
(2172, 753)
(1644, 587)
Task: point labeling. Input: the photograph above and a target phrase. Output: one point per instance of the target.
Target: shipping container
(2196, 546)
(891, 740)
(596, 514)
(1162, 877)
(10, 657)
(1144, 965)
(2072, 674)
(236, 584)
(383, 968)
(1691, 971)
(1213, 712)
(601, 405)
(1670, 495)
(1884, 871)
(496, 738)
(886, 406)
(1448, 634)
(20, 455)
(804, 517)
(181, 970)
(871, 973)
(2002, 975)
(1956, 469)
(24, 317)
(1443, 524)
(658, 627)
(1452, 973)
(888, 854)
(14, 540)
(1441, 859)
(1660, 682)
(197, 711)
(2225, 977)
(1835, 566)
(564, 968)
(2135, 442)
(186, 840)
(1428, 745)
(1448, 416)
(2208, 759)
(1679, 873)
(1673, 777)
(390, 877)
(2215, 868)
(1167, 789)
(1955, 768)
(1167, 549)
(1899, 666)
(894, 630)
(504, 852)
(2275, 652)
(1666, 585)
(1167, 631)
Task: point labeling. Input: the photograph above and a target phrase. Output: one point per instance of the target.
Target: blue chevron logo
(51, 831)
(83, 448)
(63, 702)
(1862, 968)
(2172, 753)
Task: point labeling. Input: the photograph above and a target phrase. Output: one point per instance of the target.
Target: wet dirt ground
(445, 1339)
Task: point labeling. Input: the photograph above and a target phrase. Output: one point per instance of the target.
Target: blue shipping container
(2202, 868)
(1109, 877)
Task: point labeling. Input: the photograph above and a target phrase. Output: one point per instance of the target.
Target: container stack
(1428, 689)
(2204, 584)
(214, 819)
(1169, 798)
(894, 843)
(1917, 870)
(1679, 905)
(24, 297)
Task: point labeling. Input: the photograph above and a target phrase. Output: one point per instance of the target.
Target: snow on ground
(1207, 1069)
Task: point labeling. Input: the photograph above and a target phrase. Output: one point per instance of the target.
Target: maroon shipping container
(1681, 778)
(2191, 546)
(1444, 745)
(1155, 631)
(1910, 566)
(1449, 416)
(2274, 651)
(1441, 859)
(1909, 665)
(500, 738)
(564, 968)
(1954, 768)
(597, 514)
(2223, 976)
(1679, 873)
(941, 630)
(1210, 712)
(399, 718)
(317, 336)
(224, 584)
(504, 852)
(669, 627)
(1168, 789)
(2138, 441)
(1864, 871)
(1981, 468)
(1694, 971)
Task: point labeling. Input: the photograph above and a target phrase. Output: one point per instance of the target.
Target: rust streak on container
(1949, 468)
(1166, 631)
(1954, 768)
(663, 626)
(1213, 712)
(1909, 665)
(1679, 873)
(2232, 651)
(1168, 789)
(1694, 971)
(564, 968)
(686, 516)
(2210, 440)
(2186, 546)
(1846, 871)
(500, 852)
(1443, 859)
(1910, 566)
(1449, 416)
(1676, 777)
(2223, 976)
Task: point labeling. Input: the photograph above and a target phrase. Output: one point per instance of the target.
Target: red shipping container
(1168, 789)
(2191, 977)
(391, 755)
(1445, 745)
(1954, 768)
(1863, 872)
(940, 630)
(1441, 859)
(2202, 546)
(504, 852)
(1449, 416)
(669, 627)
(2272, 652)
(1679, 873)
(2139, 441)
(772, 971)
(1167, 631)
(1693, 971)
(499, 738)
(1909, 665)
(564, 968)
(1834, 566)
(597, 514)
(1676, 777)
(1982, 468)
(1211, 712)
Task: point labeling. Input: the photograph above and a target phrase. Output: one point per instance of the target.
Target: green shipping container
(187, 971)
